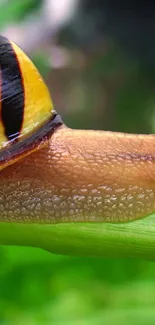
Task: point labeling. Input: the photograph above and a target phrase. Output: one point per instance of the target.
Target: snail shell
(26, 109)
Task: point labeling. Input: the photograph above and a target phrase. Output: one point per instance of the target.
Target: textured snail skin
(55, 174)
(81, 176)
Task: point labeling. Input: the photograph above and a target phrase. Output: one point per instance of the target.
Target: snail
(50, 173)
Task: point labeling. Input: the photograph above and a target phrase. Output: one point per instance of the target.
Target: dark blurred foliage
(120, 34)
(129, 23)
(100, 69)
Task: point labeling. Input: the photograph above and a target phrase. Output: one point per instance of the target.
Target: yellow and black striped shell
(25, 104)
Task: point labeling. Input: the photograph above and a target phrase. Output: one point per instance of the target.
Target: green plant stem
(133, 239)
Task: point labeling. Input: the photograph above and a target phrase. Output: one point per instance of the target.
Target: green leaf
(14, 11)
(133, 239)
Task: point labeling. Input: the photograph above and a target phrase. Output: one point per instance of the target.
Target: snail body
(50, 173)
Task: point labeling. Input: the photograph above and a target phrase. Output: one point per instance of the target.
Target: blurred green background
(97, 80)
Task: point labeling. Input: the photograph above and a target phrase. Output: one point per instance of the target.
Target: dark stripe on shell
(12, 90)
